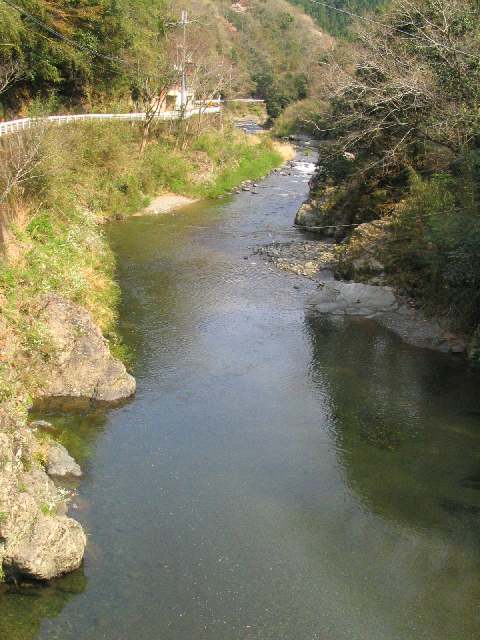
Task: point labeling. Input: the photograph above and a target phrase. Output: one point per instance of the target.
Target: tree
(149, 93)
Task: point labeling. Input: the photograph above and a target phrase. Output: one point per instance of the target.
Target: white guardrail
(26, 123)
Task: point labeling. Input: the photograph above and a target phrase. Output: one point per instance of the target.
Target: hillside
(97, 55)
(336, 22)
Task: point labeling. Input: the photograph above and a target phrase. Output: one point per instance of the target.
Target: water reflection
(24, 607)
(406, 425)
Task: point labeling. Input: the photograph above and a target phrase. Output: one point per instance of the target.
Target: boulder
(60, 463)
(307, 215)
(81, 365)
(37, 539)
(353, 298)
(48, 548)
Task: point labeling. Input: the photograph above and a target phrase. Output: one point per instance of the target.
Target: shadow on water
(405, 423)
(24, 607)
(76, 424)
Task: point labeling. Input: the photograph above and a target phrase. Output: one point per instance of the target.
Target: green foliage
(432, 250)
(130, 37)
(50, 63)
(253, 162)
(48, 509)
(40, 458)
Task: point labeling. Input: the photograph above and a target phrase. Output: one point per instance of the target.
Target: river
(278, 476)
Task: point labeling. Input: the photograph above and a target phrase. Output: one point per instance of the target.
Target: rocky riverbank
(319, 261)
(37, 538)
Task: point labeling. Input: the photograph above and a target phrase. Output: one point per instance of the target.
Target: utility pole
(183, 94)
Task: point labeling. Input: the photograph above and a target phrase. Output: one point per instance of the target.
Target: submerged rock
(43, 425)
(81, 365)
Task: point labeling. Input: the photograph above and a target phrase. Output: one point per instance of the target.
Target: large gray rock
(380, 303)
(50, 547)
(81, 365)
(37, 539)
(353, 298)
(60, 463)
(310, 216)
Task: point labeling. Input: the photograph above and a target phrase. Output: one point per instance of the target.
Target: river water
(278, 476)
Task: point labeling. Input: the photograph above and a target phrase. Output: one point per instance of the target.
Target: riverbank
(320, 261)
(59, 294)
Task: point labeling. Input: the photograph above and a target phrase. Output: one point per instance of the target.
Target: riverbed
(278, 475)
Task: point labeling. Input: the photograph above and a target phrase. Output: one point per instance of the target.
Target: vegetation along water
(239, 349)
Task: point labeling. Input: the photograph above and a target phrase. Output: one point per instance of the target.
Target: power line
(392, 28)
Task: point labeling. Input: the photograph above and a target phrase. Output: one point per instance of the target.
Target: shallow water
(278, 476)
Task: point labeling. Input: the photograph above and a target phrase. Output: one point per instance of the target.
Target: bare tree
(10, 72)
(20, 155)
(151, 92)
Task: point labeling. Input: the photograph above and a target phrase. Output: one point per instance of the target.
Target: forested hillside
(100, 53)
(337, 22)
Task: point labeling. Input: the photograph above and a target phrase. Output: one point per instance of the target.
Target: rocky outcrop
(81, 365)
(309, 217)
(329, 210)
(355, 299)
(37, 538)
(362, 257)
(320, 260)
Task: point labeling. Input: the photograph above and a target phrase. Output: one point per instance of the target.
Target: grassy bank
(82, 175)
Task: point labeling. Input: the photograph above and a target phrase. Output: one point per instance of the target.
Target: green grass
(255, 163)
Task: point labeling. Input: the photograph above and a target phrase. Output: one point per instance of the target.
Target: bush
(434, 245)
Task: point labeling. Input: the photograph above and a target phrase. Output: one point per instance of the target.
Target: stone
(353, 298)
(307, 215)
(380, 303)
(81, 365)
(368, 263)
(60, 463)
(50, 547)
(37, 539)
